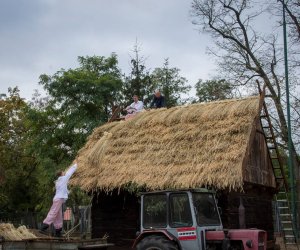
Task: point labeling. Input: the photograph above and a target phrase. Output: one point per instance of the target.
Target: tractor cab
(185, 214)
(180, 209)
(187, 220)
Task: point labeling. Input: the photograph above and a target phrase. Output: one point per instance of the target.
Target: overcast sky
(43, 36)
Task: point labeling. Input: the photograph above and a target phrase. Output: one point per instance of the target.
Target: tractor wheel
(156, 242)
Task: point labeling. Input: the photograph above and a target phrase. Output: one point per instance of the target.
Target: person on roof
(61, 195)
(158, 100)
(134, 108)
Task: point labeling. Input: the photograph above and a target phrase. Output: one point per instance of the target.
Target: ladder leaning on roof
(115, 115)
(282, 201)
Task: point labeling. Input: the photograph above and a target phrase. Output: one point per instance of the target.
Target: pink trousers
(55, 214)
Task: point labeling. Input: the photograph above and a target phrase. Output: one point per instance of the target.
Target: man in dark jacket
(158, 100)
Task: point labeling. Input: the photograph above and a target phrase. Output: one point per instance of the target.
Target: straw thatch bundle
(26, 234)
(9, 232)
(181, 147)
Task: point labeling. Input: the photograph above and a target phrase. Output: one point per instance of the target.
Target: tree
(139, 81)
(80, 100)
(21, 188)
(292, 8)
(292, 16)
(169, 81)
(244, 53)
(213, 90)
(247, 55)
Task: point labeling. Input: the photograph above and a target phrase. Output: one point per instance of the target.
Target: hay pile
(9, 232)
(182, 147)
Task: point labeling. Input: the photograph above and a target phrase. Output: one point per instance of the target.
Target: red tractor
(190, 220)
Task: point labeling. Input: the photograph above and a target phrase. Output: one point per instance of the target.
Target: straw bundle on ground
(181, 147)
(9, 232)
(26, 234)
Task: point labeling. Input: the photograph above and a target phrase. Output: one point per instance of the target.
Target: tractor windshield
(206, 209)
(180, 210)
(155, 211)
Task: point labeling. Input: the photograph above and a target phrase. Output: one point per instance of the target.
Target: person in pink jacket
(61, 195)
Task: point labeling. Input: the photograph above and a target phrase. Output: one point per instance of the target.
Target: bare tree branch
(244, 54)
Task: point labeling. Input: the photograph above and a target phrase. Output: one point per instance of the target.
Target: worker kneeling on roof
(61, 195)
(134, 108)
(158, 100)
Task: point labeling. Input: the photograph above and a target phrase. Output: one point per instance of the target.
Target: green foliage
(171, 84)
(213, 90)
(21, 186)
(139, 81)
(142, 82)
(80, 100)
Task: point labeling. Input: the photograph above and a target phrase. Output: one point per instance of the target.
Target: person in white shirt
(134, 108)
(61, 195)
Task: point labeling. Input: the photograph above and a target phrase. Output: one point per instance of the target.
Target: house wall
(115, 214)
(257, 203)
(258, 165)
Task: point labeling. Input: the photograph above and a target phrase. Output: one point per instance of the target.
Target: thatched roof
(182, 147)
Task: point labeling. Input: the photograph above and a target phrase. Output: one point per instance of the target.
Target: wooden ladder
(282, 199)
(115, 115)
